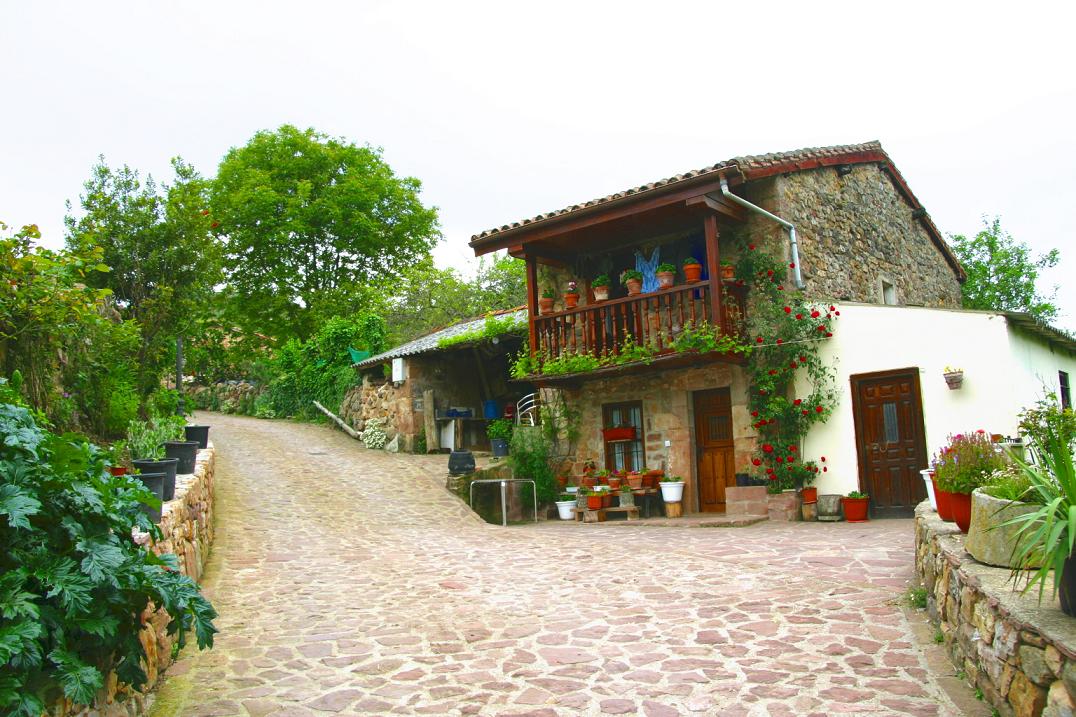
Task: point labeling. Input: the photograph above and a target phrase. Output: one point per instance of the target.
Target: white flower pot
(927, 474)
(672, 492)
(564, 509)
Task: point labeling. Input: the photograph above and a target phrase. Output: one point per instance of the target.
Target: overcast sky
(505, 110)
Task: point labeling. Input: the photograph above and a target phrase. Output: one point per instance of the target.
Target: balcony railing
(654, 320)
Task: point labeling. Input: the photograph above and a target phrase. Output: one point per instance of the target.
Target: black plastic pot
(461, 462)
(166, 466)
(185, 451)
(743, 480)
(500, 447)
(198, 434)
(155, 483)
(1067, 591)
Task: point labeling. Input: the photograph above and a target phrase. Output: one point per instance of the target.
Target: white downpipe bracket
(796, 275)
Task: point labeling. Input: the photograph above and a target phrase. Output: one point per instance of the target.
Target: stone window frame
(885, 280)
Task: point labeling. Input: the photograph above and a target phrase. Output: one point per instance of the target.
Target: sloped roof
(429, 342)
(752, 167)
(1052, 335)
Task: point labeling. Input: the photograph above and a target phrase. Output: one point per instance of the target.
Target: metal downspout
(796, 275)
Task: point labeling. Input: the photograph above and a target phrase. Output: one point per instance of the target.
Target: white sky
(505, 110)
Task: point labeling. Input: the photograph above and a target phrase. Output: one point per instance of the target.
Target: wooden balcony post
(713, 268)
(532, 301)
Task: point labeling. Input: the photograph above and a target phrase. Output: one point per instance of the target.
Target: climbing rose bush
(73, 580)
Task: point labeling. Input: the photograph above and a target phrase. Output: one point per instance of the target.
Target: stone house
(851, 232)
(422, 387)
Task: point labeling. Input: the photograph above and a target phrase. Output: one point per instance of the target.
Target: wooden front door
(892, 448)
(715, 455)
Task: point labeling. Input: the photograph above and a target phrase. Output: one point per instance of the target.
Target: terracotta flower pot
(594, 502)
(960, 503)
(545, 306)
(117, 470)
(666, 279)
(601, 293)
(855, 509)
(809, 494)
(692, 272)
(587, 481)
(571, 300)
(945, 509)
(727, 271)
(614, 483)
(635, 480)
(635, 287)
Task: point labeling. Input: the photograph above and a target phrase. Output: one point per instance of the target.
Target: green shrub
(500, 429)
(531, 457)
(73, 581)
(1010, 483)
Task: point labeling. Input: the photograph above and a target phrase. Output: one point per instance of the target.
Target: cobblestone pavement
(349, 581)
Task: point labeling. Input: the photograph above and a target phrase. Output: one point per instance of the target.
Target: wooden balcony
(654, 320)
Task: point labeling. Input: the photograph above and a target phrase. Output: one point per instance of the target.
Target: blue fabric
(648, 269)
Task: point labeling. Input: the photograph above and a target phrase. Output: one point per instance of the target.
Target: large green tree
(163, 256)
(1002, 273)
(305, 218)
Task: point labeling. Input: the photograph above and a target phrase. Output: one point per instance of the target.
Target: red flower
(788, 309)
(769, 272)
(214, 225)
(797, 402)
(205, 212)
(792, 365)
(751, 247)
(773, 420)
(825, 470)
(780, 287)
(756, 461)
(780, 341)
(980, 431)
(803, 359)
(799, 316)
(829, 335)
(833, 308)
(773, 477)
(789, 468)
(823, 459)
(818, 409)
(792, 266)
(779, 459)
(836, 313)
(769, 470)
(821, 328)
(754, 414)
(791, 449)
(773, 372)
(767, 448)
(815, 314)
(805, 412)
(790, 459)
(762, 392)
(758, 339)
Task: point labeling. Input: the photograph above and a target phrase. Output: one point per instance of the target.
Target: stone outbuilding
(439, 391)
(852, 235)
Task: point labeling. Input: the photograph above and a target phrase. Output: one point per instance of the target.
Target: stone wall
(1021, 654)
(227, 397)
(855, 230)
(187, 531)
(666, 398)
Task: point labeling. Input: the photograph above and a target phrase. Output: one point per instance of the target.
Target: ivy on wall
(787, 333)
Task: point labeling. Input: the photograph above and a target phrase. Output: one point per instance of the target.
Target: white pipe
(796, 275)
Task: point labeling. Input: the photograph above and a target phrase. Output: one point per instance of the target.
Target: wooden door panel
(716, 455)
(890, 439)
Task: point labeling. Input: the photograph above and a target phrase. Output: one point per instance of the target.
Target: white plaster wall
(1004, 371)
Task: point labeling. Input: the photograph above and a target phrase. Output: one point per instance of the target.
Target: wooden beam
(590, 216)
(429, 421)
(713, 267)
(714, 204)
(532, 301)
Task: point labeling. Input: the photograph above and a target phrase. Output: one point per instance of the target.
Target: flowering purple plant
(572, 288)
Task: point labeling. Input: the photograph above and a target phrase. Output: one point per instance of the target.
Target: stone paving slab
(350, 582)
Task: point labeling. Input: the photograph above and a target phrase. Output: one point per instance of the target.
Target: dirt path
(348, 581)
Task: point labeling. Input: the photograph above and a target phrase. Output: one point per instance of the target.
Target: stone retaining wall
(1021, 654)
(187, 530)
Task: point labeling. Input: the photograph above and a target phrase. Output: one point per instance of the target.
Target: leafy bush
(967, 462)
(145, 439)
(500, 429)
(73, 581)
(1010, 483)
(531, 456)
(1047, 424)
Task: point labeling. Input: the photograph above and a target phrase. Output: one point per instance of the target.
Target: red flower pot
(692, 272)
(619, 434)
(855, 509)
(587, 481)
(945, 509)
(594, 502)
(809, 495)
(614, 483)
(118, 470)
(960, 503)
(545, 306)
(570, 300)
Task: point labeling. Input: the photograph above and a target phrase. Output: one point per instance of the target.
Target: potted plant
(855, 507)
(600, 286)
(666, 275)
(634, 480)
(627, 498)
(633, 280)
(145, 442)
(118, 458)
(565, 506)
(692, 270)
(992, 535)
(594, 500)
(175, 443)
(154, 483)
(614, 482)
(964, 465)
(571, 295)
(954, 377)
(499, 432)
(545, 304)
(672, 489)
(727, 271)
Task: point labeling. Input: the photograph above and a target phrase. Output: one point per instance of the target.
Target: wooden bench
(598, 516)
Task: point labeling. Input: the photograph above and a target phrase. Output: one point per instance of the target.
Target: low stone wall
(1019, 653)
(187, 530)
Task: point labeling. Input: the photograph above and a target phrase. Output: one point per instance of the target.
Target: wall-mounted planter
(954, 379)
(626, 433)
